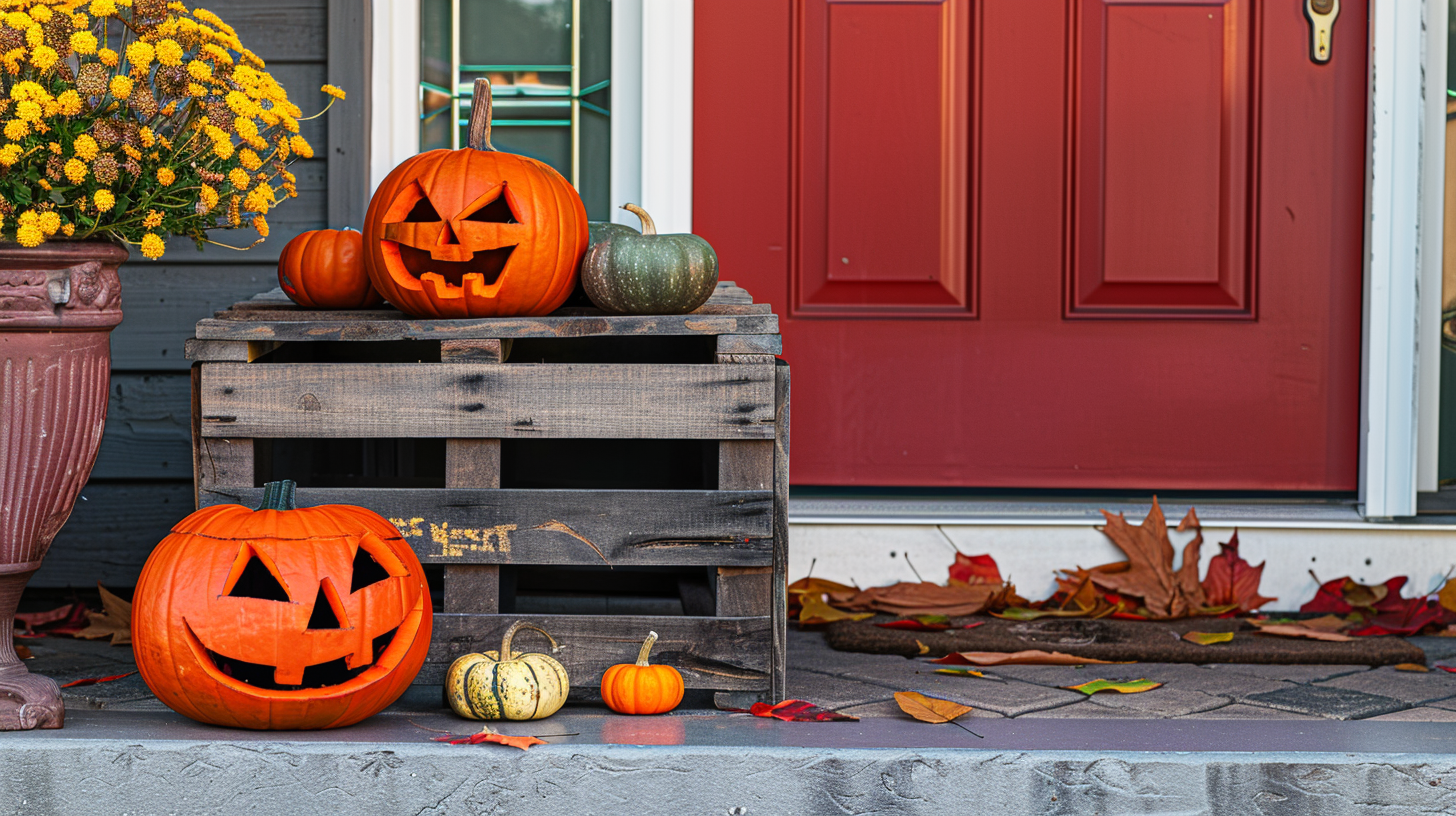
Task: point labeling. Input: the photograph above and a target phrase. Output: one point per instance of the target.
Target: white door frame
(1400, 385)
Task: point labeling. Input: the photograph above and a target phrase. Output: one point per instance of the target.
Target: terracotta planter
(58, 305)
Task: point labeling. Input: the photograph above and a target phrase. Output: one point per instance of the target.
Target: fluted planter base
(58, 305)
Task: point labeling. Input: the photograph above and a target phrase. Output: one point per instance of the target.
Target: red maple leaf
(975, 569)
(1230, 579)
(798, 711)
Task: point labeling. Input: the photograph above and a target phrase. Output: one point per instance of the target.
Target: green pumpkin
(649, 273)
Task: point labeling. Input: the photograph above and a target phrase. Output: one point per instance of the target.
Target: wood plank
(112, 529)
(350, 43)
(148, 428)
(750, 344)
(497, 327)
(162, 303)
(224, 464)
(781, 532)
(274, 312)
(226, 351)
(524, 400)
(744, 591)
(279, 31)
(469, 463)
(711, 653)
(745, 464)
(474, 351)
(631, 527)
(744, 359)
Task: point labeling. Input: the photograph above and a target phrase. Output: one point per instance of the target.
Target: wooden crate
(477, 395)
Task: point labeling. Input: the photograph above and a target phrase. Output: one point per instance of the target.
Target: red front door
(1046, 243)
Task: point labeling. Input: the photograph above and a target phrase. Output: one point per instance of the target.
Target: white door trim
(1399, 155)
(1433, 205)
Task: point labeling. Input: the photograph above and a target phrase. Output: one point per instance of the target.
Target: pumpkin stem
(648, 228)
(279, 496)
(646, 647)
(480, 105)
(505, 652)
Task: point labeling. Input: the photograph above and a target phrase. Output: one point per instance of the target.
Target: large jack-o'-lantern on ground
(475, 232)
(280, 617)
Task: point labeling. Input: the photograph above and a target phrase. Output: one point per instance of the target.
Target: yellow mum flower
(80, 20)
(108, 57)
(75, 170)
(260, 198)
(140, 54)
(52, 108)
(223, 150)
(245, 127)
(85, 147)
(42, 14)
(103, 8)
(104, 200)
(249, 159)
(29, 217)
(29, 235)
(68, 230)
(166, 176)
(333, 90)
(147, 136)
(153, 219)
(121, 86)
(169, 53)
(69, 103)
(218, 53)
(261, 225)
(42, 128)
(208, 196)
(16, 129)
(301, 146)
(9, 154)
(44, 185)
(199, 70)
(193, 89)
(131, 151)
(153, 246)
(29, 90)
(83, 42)
(34, 36)
(54, 147)
(49, 222)
(44, 57)
(238, 177)
(19, 20)
(29, 111)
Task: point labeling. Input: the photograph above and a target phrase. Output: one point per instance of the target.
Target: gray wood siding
(142, 481)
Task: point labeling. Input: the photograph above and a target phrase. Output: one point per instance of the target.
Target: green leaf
(1023, 614)
(961, 671)
(1125, 686)
(1208, 638)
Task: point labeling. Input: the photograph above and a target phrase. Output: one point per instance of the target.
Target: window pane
(515, 32)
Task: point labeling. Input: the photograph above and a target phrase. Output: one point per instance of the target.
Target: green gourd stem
(280, 496)
(480, 111)
(648, 228)
(505, 652)
(646, 647)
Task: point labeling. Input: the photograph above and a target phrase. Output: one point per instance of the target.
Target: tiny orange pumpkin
(639, 688)
(324, 269)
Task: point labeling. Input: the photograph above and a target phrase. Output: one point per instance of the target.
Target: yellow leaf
(923, 648)
(1208, 638)
(1125, 687)
(816, 610)
(961, 671)
(1028, 656)
(1413, 667)
(929, 709)
(1447, 595)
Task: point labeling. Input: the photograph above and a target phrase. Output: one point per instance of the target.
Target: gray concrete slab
(1424, 714)
(1293, 674)
(1003, 696)
(1333, 703)
(1164, 702)
(831, 691)
(1410, 687)
(1243, 711)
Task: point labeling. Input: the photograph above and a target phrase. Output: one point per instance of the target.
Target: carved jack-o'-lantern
(475, 232)
(281, 618)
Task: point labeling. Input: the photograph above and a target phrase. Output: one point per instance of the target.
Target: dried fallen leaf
(91, 681)
(1231, 580)
(1150, 575)
(961, 671)
(1411, 667)
(487, 734)
(1297, 630)
(1035, 657)
(1447, 595)
(975, 569)
(923, 648)
(815, 610)
(929, 709)
(799, 711)
(113, 622)
(924, 598)
(23, 652)
(1123, 687)
(1208, 638)
(1451, 669)
(919, 623)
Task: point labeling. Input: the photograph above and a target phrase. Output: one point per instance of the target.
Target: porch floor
(1213, 739)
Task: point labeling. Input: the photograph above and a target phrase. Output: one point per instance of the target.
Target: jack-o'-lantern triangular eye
(373, 563)
(252, 577)
(423, 212)
(492, 208)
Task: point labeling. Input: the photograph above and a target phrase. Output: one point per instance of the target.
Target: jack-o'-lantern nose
(448, 247)
(447, 236)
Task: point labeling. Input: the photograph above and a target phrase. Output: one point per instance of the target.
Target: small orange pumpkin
(324, 269)
(639, 688)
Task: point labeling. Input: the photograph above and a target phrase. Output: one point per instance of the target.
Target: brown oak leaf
(114, 621)
(1166, 593)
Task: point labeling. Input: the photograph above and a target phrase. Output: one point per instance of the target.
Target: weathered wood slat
(161, 305)
(148, 428)
(112, 529)
(711, 653)
(769, 344)
(779, 607)
(629, 527)
(469, 463)
(495, 327)
(283, 313)
(487, 401)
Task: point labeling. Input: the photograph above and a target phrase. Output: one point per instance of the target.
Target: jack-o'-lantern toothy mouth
(485, 264)
(322, 675)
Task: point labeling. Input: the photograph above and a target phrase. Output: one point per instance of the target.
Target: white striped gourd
(521, 687)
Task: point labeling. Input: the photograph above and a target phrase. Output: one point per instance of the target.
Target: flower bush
(136, 120)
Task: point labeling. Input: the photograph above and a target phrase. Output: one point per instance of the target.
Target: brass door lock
(1321, 14)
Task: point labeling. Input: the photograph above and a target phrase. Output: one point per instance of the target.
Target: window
(549, 63)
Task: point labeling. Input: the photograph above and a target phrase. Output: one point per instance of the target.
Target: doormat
(1120, 640)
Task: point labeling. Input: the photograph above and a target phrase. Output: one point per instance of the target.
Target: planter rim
(65, 252)
(60, 286)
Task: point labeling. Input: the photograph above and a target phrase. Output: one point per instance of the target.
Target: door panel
(1127, 161)
(889, 170)
(1161, 128)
